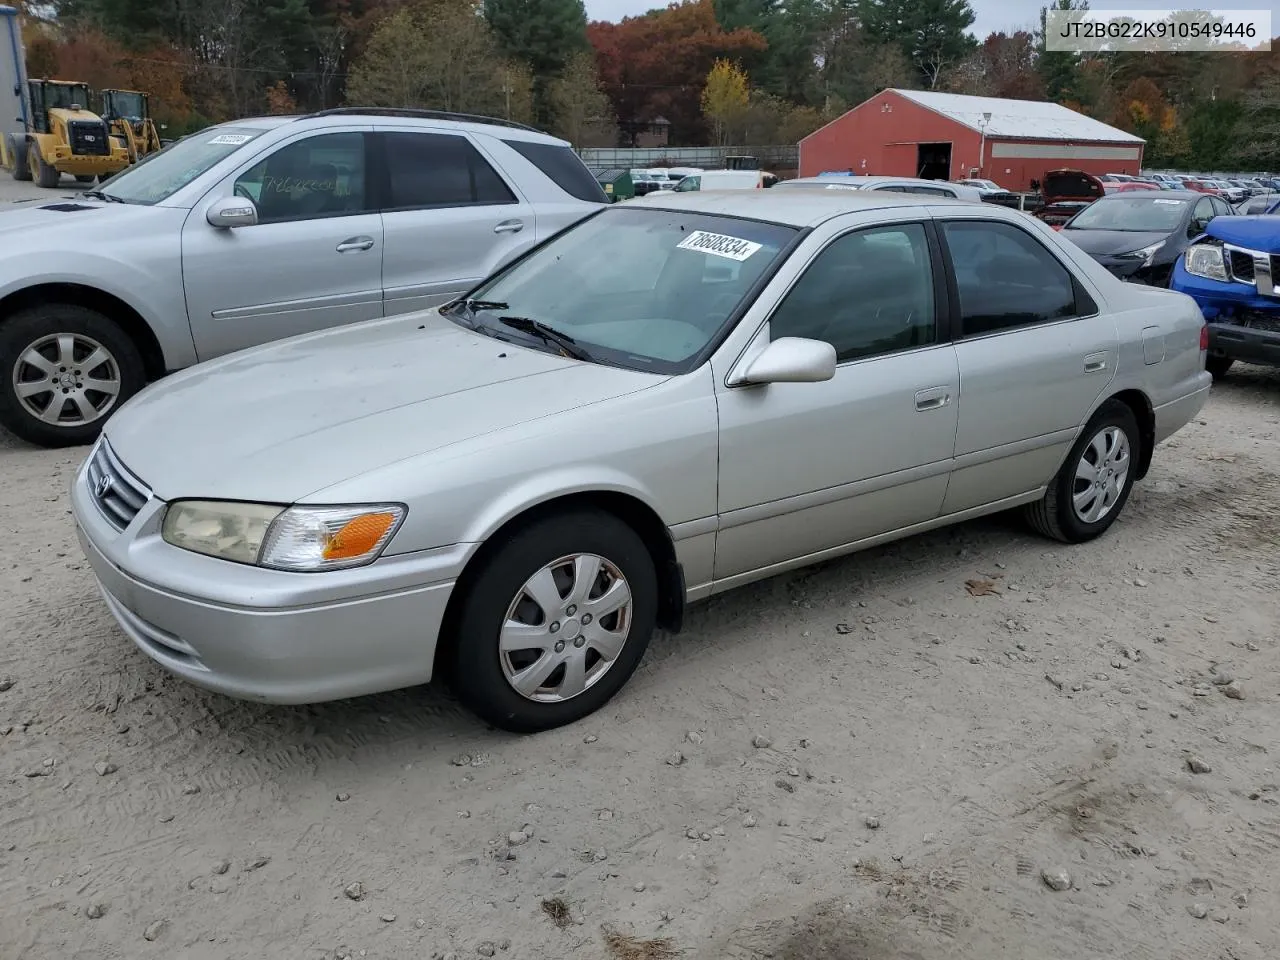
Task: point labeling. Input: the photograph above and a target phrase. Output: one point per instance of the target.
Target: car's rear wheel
(1218, 366)
(555, 623)
(1092, 486)
(65, 369)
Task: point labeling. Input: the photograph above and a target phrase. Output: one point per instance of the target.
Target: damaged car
(1231, 272)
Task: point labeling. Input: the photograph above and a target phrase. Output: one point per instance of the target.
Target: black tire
(18, 151)
(1218, 366)
(25, 328)
(45, 175)
(474, 667)
(1054, 516)
(81, 178)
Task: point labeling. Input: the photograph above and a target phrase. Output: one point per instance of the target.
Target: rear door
(1034, 352)
(313, 260)
(450, 218)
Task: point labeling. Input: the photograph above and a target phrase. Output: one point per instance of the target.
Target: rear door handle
(933, 398)
(509, 226)
(1095, 363)
(355, 243)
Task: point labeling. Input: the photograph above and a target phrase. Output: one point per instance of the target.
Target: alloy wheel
(566, 628)
(66, 379)
(1101, 474)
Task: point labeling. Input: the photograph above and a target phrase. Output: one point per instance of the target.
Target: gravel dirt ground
(16, 190)
(896, 756)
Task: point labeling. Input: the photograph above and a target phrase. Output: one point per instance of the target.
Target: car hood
(1106, 243)
(1070, 185)
(27, 223)
(279, 422)
(1256, 233)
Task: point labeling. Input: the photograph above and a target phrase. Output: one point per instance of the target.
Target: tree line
(724, 71)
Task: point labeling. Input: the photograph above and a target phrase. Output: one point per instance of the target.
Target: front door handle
(1095, 363)
(355, 243)
(509, 226)
(933, 398)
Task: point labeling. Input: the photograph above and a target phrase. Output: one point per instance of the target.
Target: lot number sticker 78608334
(719, 245)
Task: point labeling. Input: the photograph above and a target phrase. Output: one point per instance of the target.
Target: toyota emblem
(103, 486)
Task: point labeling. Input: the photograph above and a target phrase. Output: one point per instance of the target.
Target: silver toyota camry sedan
(661, 403)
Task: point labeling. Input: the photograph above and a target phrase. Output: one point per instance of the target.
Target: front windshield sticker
(719, 245)
(841, 186)
(232, 138)
(1170, 203)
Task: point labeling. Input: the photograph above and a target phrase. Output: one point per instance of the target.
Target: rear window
(563, 166)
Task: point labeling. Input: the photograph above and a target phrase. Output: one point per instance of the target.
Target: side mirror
(793, 360)
(232, 212)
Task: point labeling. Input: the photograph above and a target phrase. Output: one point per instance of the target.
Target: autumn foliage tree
(725, 99)
(657, 64)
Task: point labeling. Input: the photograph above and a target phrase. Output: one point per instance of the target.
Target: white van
(727, 180)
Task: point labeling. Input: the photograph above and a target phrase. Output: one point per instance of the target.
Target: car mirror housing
(232, 212)
(793, 360)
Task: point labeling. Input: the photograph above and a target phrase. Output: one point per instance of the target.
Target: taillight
(1204, 337)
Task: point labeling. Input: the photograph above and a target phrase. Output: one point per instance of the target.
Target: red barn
(947, 136)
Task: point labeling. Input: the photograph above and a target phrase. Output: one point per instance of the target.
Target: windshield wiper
(568, 346)
(99, 195)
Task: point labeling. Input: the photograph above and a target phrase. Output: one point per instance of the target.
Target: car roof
(868, 181)
(800, 208)
(392, 119)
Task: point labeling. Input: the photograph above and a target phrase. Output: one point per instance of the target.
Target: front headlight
(1205, 260)
(1146, 254)
(298, 538)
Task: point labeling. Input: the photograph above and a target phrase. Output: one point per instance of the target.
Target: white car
(928, 188)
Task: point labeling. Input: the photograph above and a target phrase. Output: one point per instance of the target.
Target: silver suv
(256, 230)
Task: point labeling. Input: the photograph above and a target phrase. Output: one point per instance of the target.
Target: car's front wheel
(64, 370)
(1092, 486)
(555, 622)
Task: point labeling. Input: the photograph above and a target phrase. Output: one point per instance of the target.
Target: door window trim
(382, 170)
(1082, 295)
(941, 302)
(370, 199)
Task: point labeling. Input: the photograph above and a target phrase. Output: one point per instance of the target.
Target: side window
(439, 170)
(321, 176)
(563, 167)
(931, 191)
(1221, 208)
(892, 188)
(868, 292)
(1005, 278)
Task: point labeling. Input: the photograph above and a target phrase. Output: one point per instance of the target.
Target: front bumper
(1132, 269)
(1243, 324)
(268, 635)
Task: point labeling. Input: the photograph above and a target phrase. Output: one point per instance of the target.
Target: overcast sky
(1006, 15)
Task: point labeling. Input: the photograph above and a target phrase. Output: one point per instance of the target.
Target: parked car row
(786, 376)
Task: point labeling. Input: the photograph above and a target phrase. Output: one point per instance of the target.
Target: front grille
(1003, 199)
(88, 138)
(1241, 265)
(116, 491)
(1275, 267)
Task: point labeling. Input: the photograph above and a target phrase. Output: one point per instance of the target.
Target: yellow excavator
(128, 113)
(62, 136)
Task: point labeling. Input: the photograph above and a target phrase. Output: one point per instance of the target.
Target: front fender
(145, 275)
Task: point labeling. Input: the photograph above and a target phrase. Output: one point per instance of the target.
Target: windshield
(1130, 213)
(168, 171)
(66, 95)
(640, 288)
(128, 105)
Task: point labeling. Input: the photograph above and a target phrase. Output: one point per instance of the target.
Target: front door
(450, 218)
(812, 467)
(313, 260)
(1035, 354)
